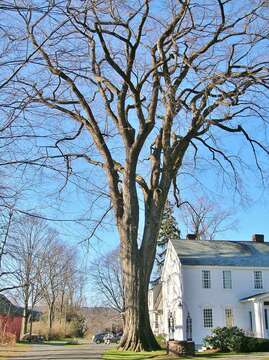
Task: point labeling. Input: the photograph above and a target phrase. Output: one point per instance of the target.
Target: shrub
(161, 341)
(56, 333)
(229, 339)
(59, 330)
(258, 345)
(7, 338)
(79, 325)
(72, 342)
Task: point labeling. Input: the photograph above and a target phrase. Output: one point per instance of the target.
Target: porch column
(259, 319)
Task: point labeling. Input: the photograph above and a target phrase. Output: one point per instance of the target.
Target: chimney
(191, 237)
(258, 238)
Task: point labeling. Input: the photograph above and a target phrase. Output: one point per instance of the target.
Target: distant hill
(102, 318)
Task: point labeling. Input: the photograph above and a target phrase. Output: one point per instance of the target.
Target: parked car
(112, 338)
(33, 338)
(99, 338)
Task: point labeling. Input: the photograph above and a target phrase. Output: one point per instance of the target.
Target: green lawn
(161, 355)
(66, 342)
(117, 355)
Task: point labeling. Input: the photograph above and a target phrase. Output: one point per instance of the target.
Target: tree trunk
(137, 335)
(31, 324)
(26, 319)
(61, 307)
(50, 319)
(136, 267)
(137, 259)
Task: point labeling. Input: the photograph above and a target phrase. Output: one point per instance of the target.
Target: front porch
(259, 314)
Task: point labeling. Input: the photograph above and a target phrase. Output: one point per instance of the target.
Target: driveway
(60, 352)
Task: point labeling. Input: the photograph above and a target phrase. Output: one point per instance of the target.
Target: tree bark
(137, 335)
(31, 324)
(61, 306)
(137, 263)
(26, 318)
(50, 318)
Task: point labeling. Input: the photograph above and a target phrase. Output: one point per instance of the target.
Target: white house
(206, 284)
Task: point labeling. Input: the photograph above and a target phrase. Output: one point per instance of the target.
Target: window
(206, 279)
(258, 280)
(228, 317)
(156, 322)
(266, 318)
(227, 279)
(250, 321)
(208, 318)
(171, 326)
(189, 328)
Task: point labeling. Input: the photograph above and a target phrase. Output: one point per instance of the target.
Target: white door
(266, 320)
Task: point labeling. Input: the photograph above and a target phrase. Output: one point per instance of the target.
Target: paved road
(59, 352)
(94, 352)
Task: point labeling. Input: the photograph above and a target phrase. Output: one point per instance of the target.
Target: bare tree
(71, 297)
(206, 219)
(6, 271)
(106, 276)
(32, 237)
(55, 275)
(154, 91)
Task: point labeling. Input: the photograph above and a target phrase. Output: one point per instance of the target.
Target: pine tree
(168, 231)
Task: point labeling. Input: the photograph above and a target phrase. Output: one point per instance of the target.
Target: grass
(161, 355)
(7, 351)
(59, 342)
(66, 342)
(117, 355)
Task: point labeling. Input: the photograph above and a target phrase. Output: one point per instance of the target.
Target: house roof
(7, 308)
(222, 253)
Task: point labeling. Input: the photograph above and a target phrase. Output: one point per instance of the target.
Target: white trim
(256, 297)
(170, 247)
(252, 268)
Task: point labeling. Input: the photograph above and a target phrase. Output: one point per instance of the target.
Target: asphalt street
(94, 352)
(60, 352)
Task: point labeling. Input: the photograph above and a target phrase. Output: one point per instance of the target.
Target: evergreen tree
(168, 231)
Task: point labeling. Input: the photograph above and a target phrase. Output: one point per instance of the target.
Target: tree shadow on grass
(118, 355)
(141, 356)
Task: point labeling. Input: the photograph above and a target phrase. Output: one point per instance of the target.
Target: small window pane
(258, 280)
(208, 318)
(229, 317)
(227, 279)
(206, 279)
